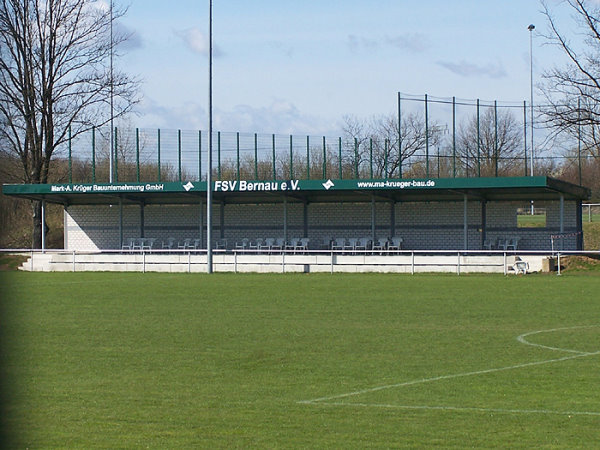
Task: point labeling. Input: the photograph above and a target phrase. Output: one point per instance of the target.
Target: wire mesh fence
(429, 137)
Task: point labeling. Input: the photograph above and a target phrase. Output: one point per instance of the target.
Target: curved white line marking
(521, 338)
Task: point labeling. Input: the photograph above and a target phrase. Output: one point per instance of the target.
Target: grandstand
(450, 214)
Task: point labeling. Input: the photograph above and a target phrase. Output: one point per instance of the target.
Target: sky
(284, 66)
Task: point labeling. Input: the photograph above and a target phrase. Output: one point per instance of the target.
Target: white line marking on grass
(578, 354)
(464, 409)
(526, 342)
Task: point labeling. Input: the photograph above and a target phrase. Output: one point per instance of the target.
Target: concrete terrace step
(315, 262)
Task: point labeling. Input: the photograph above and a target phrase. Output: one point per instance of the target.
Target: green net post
(371, 155)
(496, 149)
(219, 154)
(478, 141)
(324, 158)
(291, 158)
(340, 157)
(70, 159)
(137, 153)
(93, 154)
(453, 137)
(116, 156)
(237, 149)
(158, 154)
(179, 153)
(308, 157)
(356, 158)
(426, 137)
(274, 167)
(256, 156)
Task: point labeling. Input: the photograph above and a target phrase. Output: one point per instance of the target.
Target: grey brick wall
(422, 226)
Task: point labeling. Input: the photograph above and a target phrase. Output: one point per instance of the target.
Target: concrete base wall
(324, 262)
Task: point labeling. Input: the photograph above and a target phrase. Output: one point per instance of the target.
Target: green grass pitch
(100, 360)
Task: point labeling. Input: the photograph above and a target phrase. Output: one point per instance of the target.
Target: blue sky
(286, 66)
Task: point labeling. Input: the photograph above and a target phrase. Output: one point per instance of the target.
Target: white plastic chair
(395, 244)
(512, 243)
(380, 245)
(242, 245)
(137, 244)
(361, 244)
(351, 245)
(302, 245)
(338, 244)
(147, 243)
(168, 244)
(185, 244)
(128, 245)
(501, 244)
(255, 245)
(291, 244)
(267, 245)
(279, 244)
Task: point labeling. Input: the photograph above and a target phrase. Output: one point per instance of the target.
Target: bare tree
(492, 144)
(54, 77)
(392, 146)
(572, 92)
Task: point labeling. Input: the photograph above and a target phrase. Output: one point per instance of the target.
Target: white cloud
(467, 69)
(197, 41)
(413, 42)
(358, 42)
(279, 117)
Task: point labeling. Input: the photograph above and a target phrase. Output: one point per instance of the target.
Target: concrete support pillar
(373, 218)
(43, 225)
(305, 216)
(562, 213)
(120, 222)
(201, 224)
(393, 219)
(465, 222)
(142, 226)
(222, 221)
(285, 219)
(483, 222)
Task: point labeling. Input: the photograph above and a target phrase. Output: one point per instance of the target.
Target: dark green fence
(428, 138)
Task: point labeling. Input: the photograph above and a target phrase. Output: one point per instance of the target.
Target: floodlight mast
(112, 90)
(209, 255)
(531, 27)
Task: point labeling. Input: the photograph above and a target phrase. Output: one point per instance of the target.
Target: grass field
(99, 360)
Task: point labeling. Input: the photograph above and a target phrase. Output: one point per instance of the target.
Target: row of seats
(511, 243)
(365, 243)
(269, 245)
(138, 244)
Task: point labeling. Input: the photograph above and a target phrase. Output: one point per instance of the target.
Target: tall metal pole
(209, 255)
(531, 28)
(112, 145)
(399, 136)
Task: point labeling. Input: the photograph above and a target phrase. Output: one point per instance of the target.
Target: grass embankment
(591, 235)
